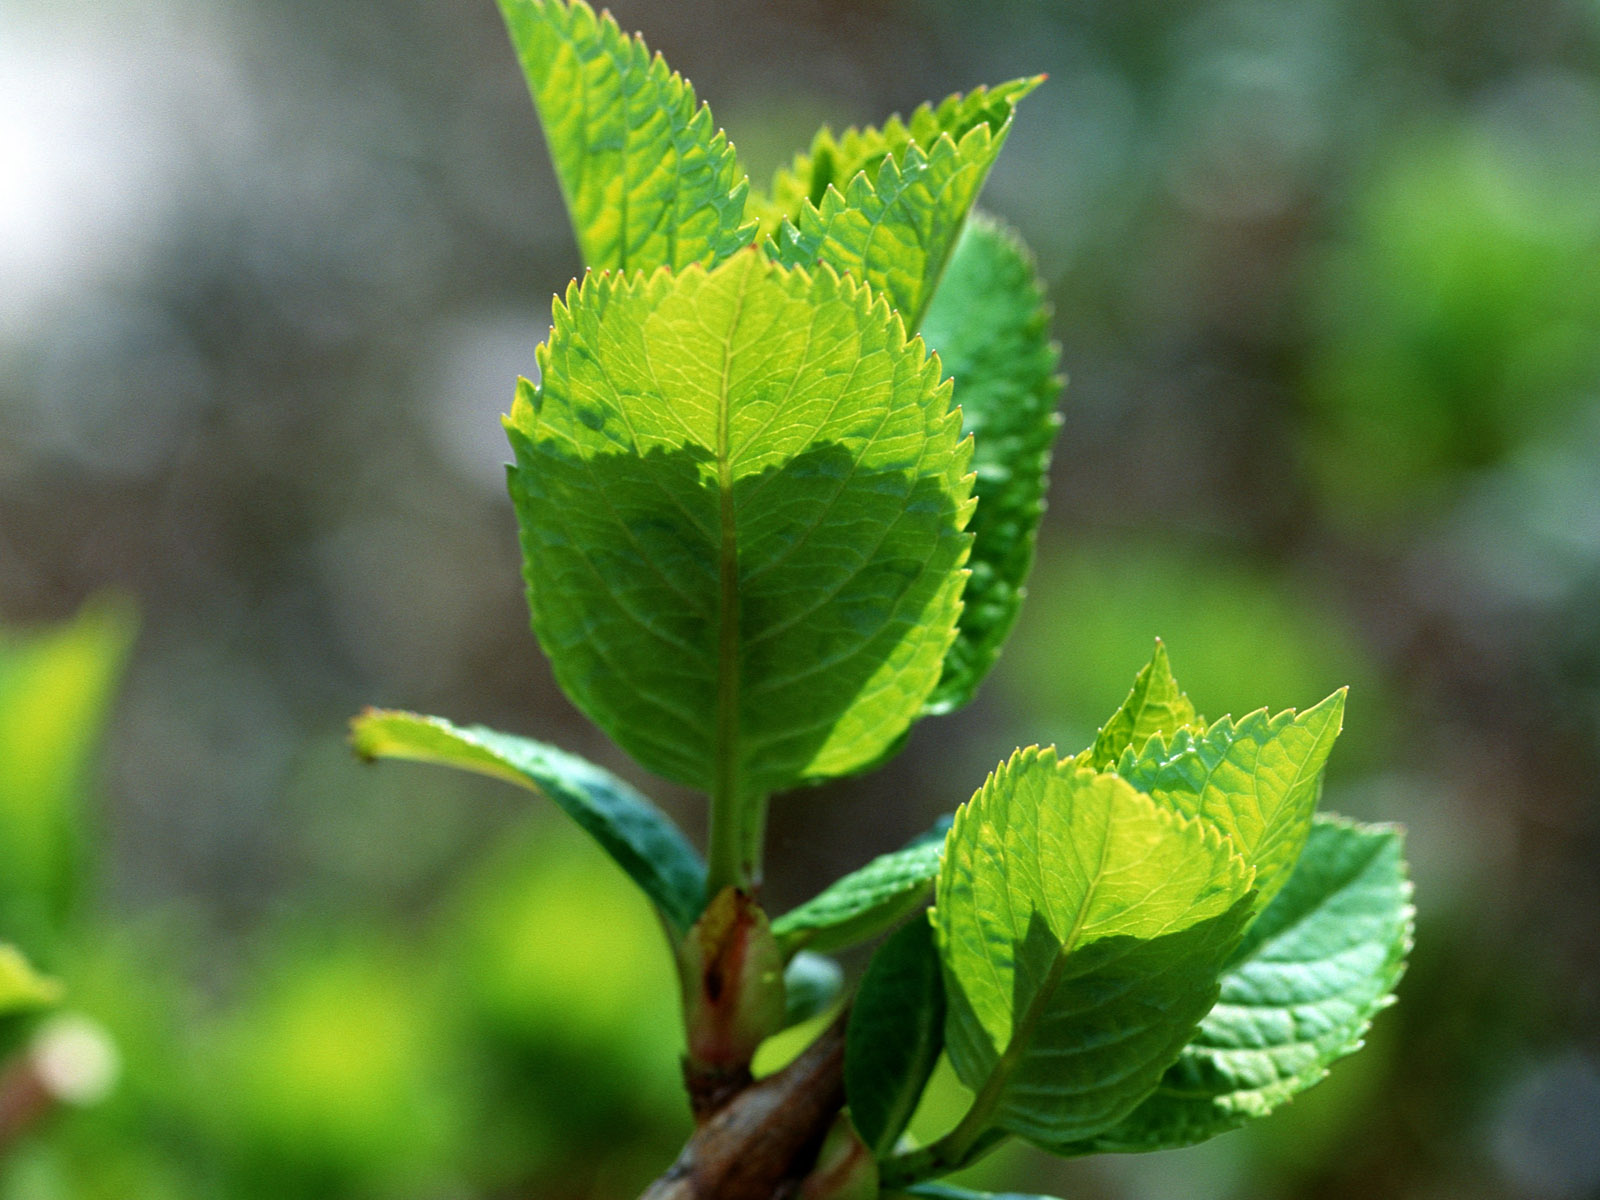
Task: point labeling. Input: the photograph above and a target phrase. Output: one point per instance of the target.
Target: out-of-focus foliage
(55, 690)
(23, 989)
(1456, 311)
(510, 1042)
(1246, 634)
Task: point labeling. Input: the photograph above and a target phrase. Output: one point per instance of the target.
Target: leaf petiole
(968, 1141)
(738, 831)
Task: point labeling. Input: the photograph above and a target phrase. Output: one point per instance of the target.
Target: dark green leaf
(1313, 971)
(640, 837)
(811, 983)
(895, 1035)
(990, 325)
(866, 901)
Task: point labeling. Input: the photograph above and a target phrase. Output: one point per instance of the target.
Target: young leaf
(742, 495)
(1154, 706)
(1083, 928)
(895, 1034)
(640, 837)
(649, 181)
(835, 161)
(867, 900)
(894, 229)
(990, 325)
(1257, 780)
(1313, 971)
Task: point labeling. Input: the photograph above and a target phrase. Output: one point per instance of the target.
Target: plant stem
(762, 1142)
(738, 828)
(955, 1150)
(973, 1134)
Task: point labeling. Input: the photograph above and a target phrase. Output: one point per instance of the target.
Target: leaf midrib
(726, 779)
(988, 1099)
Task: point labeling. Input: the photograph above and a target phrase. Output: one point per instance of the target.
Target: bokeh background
(1327, 284)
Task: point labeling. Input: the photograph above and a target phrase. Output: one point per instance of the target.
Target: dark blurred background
(1327, 283)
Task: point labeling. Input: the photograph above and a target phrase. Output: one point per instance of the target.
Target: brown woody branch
(762, 1142)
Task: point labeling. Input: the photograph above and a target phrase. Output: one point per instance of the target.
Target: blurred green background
(1327, 282)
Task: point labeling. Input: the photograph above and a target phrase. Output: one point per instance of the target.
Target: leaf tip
(363, 733)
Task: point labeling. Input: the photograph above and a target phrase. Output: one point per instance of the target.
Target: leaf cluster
(777, 485)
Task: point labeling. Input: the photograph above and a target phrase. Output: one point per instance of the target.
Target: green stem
(738, 828)
(973, 1134)
(956, 1149)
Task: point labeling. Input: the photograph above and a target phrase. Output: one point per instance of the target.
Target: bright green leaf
(836, 160)
(743, 533)
(894, 230)
(640, 837)
(1258, 780)
(649, 181)
(1082, 927)
(895, 1035)
(56, 687)
(22, 989)
(990, 325)
(1156, 705)
(1314, 970)
(868, 900)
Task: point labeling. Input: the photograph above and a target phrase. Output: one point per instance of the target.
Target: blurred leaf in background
(1456, 312)
(567, 995)
(328, 1077)
(56, 687)
(1243, 635)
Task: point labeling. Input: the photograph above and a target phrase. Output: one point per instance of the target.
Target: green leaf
(895, 1034)
(1156, 705)
(811, 983)
(990, 325)
(640, 837)
(56, 687)
(1313, 971)
(649, 181)
(22, 989)
(1257, 780)
(1083, 928)
(866, 901)
(835, 161)
(742, 495)
(894, 223)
